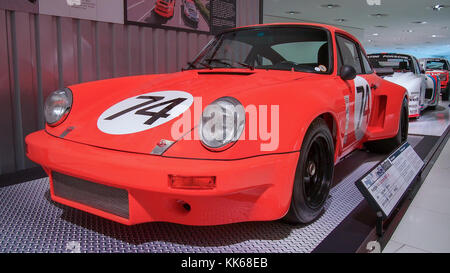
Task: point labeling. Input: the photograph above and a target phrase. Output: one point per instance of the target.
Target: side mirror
(348, 72)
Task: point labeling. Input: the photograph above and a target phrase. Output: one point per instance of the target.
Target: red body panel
(253, 189)
(251, 185)
(438, 73)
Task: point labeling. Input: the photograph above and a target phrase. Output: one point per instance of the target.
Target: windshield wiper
(219, 61)
(191, 65)
(206, 65)
(246, 65)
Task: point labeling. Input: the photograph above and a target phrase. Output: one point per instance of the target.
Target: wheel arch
(333, 125)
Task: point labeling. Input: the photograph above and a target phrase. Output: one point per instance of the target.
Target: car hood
(408, 80)
(92, 101)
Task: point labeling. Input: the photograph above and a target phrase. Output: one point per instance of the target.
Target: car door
(423, 100)
(358, 96)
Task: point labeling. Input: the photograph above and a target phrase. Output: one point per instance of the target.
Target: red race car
(165, 8)
(250, 131)
(439, 67)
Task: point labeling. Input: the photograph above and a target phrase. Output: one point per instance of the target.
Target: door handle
(374, 87)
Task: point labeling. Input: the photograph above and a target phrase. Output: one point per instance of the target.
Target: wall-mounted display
(208, 16)
(97, 10)
(20, 5)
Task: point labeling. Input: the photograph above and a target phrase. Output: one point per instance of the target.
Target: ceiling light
(381, 26)
(409, 31)
(434, 36)
(375, 34)
(330, 6)
(378, 15)
(419, 22)
(438, 7)
(292, 12)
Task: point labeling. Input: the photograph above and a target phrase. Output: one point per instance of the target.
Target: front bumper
(414, 108)
(252, 189)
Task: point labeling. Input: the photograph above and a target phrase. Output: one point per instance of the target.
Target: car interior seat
(322, 56)
(403, 66)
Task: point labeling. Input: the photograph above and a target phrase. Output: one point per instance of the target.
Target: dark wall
(39, 53)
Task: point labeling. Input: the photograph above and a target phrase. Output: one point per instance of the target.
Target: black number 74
(145, 111)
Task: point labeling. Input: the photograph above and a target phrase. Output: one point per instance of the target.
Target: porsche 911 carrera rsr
(165, 8)
(190, 11)
(190, 148)
(440, 68)
(405, 70)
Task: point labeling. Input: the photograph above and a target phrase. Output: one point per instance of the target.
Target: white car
(405, 71)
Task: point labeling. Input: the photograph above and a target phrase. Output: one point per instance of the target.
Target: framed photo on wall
(204, 16)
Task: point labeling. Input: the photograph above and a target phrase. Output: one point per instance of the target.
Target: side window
(266, 61)
(349, 53)
(367, 67)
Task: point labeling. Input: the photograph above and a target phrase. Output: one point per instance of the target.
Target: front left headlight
(57, 106)
(223, 122)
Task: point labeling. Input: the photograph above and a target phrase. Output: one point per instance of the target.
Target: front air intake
(108, 199)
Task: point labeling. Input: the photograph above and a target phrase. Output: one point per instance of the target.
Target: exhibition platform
(31, 222)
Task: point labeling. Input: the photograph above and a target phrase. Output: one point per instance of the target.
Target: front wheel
(313, 175)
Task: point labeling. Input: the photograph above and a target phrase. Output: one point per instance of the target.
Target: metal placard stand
(385, 185)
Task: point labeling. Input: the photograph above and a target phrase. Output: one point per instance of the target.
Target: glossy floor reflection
(426, 225)
(431, 122)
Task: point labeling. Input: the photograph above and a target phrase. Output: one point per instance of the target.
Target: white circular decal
(363, 104)
(144, 112)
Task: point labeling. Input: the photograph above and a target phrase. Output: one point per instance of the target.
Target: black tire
(388, 145)
(313, 175)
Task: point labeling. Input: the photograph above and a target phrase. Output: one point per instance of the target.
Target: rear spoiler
(384, 71)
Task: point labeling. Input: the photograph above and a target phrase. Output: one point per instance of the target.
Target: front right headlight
(57, 106)
(223, 122)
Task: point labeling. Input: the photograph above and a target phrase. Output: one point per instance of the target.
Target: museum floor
(426, 225)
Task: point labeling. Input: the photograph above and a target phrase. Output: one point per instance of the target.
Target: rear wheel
(388, 145)
(313, 175)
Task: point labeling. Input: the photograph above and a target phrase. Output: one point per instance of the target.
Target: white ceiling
(393, 35)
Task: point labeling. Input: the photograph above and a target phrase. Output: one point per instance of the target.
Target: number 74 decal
(361, 111)
(144, 112)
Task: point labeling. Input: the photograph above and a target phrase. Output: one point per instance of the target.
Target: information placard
(385, 185)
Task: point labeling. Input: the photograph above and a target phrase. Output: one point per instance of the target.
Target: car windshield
(302, 49)
(437, 65)
(398, 63)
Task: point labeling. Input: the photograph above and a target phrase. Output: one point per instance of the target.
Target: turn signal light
(192, 182)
